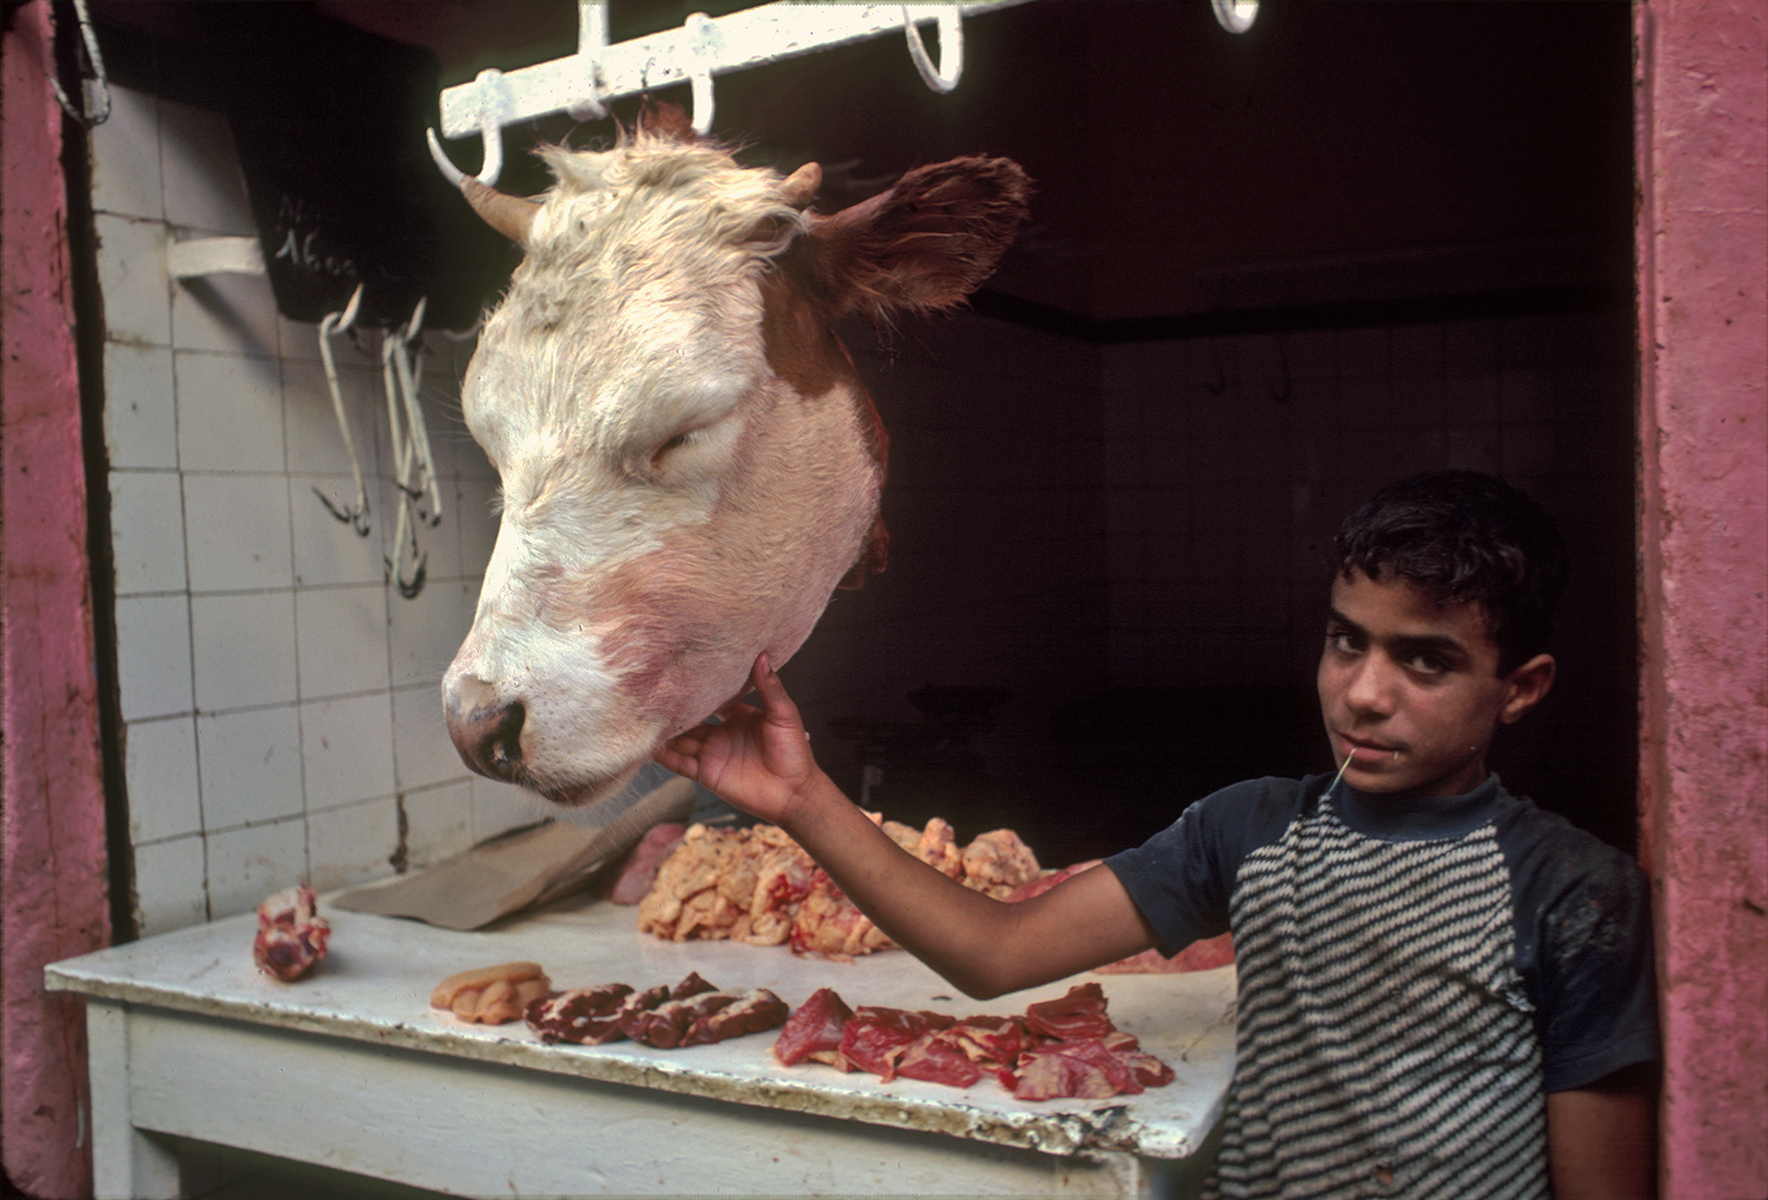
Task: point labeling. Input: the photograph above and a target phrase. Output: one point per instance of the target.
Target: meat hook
(330, 326)
(951, 48)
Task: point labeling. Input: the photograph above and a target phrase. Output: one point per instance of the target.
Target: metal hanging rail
(700, 49)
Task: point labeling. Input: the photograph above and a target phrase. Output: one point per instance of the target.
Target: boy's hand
(755, 758)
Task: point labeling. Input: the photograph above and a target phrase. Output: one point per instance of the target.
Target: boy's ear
(1526, 686)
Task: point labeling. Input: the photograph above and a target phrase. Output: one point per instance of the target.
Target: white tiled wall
(279, 698)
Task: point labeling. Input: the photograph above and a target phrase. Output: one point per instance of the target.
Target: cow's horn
(799, 188)
(511, 216)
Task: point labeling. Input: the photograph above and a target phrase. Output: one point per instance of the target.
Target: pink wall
(1703, 249)
(52, 870)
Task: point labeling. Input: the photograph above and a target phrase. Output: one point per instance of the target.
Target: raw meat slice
(1079, 1014)
(876, 1037)
(1083, 1069)
(813, 1030)
(586, 1016)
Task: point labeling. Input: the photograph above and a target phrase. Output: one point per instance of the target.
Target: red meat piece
(1079, 1014)
(1084, 1069)
(991, 1042)
(876, 1037)
(936, 1058)
(585, 1016)
(814, 1029)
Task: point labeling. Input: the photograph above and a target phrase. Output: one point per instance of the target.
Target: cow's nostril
(503, 744)
(487, 732)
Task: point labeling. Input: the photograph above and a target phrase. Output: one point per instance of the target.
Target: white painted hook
(493, 101)
(330, 326)
(951, 48)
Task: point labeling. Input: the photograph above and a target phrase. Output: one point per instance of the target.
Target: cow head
(689, 463)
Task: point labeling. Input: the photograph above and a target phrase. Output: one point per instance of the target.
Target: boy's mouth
(1365, 753)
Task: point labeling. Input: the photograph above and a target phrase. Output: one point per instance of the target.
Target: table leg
(127, 1164)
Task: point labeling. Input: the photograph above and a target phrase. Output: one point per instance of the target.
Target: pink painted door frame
(1702, 151)
(53, 899)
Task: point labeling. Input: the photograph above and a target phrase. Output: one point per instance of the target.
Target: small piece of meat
(755, 1011)
(632, 880)
(492, 995)
(876, 1037)
(693, 985)
(585, 1016)
(1148, 1070)
(994, 1043)
(997, 863)
(291, 934)
(813, 1031)
(936, 1058)
(638, 1008)
(1083, 1068)
(1204, 955)
(1079, 1014)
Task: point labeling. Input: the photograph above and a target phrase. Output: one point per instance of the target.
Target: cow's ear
(923, 245)
(661, 119)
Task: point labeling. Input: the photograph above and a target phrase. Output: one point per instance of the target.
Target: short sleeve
(1595, 979)
(1182, 878)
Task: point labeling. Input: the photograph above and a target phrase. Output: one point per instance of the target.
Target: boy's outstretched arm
(759, 760)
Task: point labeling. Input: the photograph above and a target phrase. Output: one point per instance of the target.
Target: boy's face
(1410, 689)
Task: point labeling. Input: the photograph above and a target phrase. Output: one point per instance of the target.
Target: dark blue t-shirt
(1414, 976)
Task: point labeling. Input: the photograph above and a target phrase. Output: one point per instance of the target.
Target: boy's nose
(1370, 689)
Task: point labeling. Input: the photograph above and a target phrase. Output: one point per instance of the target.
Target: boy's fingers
(776, 705)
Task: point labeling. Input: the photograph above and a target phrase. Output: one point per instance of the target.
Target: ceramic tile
(153, 656)
(147, 531)
(315, 444)
(327, 550)
(229, 413)
(423, 755)
(205, 189)
(160, 773)
(169, 885)
(438, 823)
(140, 412)
(126, 157)
(132, 280)
(251, 764)
(238, 532)
(353, 844)
(298, 340)
(244, 650)
(225, 313)
(499, 806)
(246, 865)
(341, 635)
(425, 632)
(347, 747)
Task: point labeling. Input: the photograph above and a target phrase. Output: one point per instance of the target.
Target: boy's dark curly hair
(1465, 537)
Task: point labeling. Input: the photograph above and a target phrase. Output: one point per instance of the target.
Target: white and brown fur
(690, 465)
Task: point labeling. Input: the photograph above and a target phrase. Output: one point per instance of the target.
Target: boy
(1443, 991)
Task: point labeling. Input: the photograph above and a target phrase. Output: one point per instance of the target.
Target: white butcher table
(351, 1069)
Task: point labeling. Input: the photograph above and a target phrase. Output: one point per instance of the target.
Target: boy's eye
(1427, 664)
(1342, 642)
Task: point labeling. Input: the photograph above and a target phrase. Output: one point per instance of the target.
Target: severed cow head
(689, 463)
